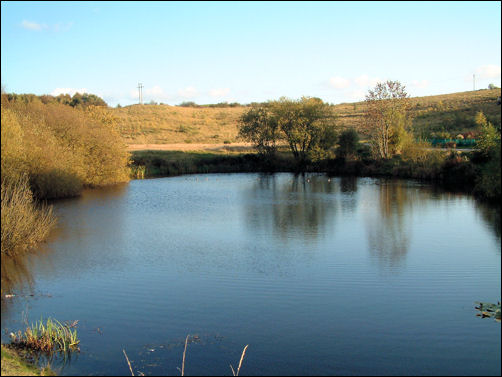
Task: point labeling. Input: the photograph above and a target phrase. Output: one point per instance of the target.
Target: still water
(340, 276)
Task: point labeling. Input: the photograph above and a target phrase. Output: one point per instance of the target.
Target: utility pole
(140, 88)
(473, 81)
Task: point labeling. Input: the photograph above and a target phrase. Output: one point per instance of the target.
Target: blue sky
(211, 52)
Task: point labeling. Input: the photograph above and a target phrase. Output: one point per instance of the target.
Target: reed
(52, 336)
(182, 370)
(184, 354)
(240, 362)
(128, 363)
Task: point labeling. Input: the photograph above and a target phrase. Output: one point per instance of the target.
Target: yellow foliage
(61, 148)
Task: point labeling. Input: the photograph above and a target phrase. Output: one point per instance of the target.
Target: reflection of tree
(388, 234)
(99, 210)
(16, 278)
(348, 201)
(491, 216)
(293, 206)
(15, 274)
(348, 184)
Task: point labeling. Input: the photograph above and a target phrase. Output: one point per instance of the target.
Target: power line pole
(140, 88)
(473, 81)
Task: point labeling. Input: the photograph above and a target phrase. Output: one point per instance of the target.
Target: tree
(258, 126)
(492, 86)
(347, 143)
(488, 144)
(387, 118)
(489, 137)
(308, 126)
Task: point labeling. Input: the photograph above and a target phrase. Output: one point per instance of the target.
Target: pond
(319, 275)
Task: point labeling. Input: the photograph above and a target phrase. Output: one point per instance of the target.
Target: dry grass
(128, 362)
(182, 370)
(239, 147)
(184, 354)
(163, 124)
(240, 362)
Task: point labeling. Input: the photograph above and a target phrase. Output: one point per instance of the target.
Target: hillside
(164, 124)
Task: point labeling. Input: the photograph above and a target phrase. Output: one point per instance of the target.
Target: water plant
(488, 310)
(53, 336)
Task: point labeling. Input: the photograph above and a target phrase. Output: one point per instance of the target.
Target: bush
(23, 222)
(61, 149)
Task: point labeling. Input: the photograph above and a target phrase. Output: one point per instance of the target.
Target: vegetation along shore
(54, 147)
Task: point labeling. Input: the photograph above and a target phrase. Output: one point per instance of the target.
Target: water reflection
(16, 275)
(388, 233)
(100, 214)
(251, 257)
(491, 217)
(299, 206)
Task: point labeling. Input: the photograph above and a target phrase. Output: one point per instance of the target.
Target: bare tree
(387, 117)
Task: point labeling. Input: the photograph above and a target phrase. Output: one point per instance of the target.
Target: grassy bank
(13, 364)
(458, 171)
(170, 163)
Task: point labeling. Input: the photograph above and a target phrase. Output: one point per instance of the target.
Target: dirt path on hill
(236, 147)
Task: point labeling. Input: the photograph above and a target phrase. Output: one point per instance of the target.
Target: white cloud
(489, 71)
(134, 94)
(339, 82)
(357, 95)
(70, 91)
(221, 92)
(420, 83)
(62, 26)
(365, 81)
(188, 92)
(33, 25)
(156, 91)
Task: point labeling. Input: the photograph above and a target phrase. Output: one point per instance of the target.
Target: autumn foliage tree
(387, 118)
(260, 127)
(307, 124)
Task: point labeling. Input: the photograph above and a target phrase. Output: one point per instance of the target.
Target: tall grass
(24, 223)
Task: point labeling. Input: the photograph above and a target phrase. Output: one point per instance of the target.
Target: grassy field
(163, 124)
(14, 365)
